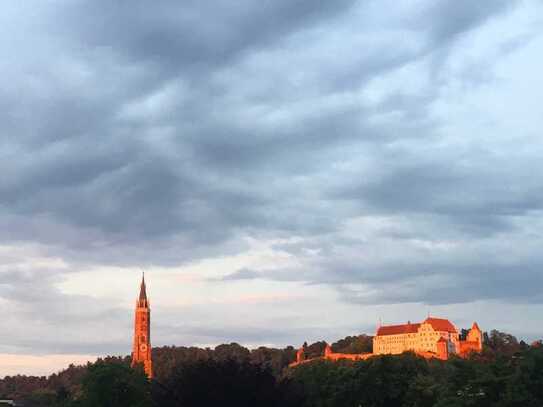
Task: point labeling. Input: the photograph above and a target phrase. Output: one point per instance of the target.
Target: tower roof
(440, 324)
(475, 326)
(397, 329)
(143, 292)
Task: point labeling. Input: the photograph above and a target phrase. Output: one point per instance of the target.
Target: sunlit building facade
(432, 336)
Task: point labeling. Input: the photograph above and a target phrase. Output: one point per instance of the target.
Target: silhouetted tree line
(507, 373)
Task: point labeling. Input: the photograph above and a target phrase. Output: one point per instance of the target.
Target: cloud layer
(386, 153)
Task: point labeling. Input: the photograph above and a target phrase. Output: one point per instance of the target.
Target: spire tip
(143, 291)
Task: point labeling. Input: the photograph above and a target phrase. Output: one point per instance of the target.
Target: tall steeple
(143, 292)
(141, 351)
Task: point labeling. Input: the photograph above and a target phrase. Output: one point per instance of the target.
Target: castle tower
(327, 351)
(300, 355)
(442, 349)
(476, 335)
(141, 351)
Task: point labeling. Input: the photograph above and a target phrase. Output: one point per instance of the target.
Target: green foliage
(20, 386)
(42, 397)
(274, 359)
(379, 381)
(409, 381)
(220, 382)
(314, 350)
(354, 344)
(500, 343)
(231, 351)
(114, 384)
(508, 374)
(167, 358)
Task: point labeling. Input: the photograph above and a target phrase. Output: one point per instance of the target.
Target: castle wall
(433, 338)
(424, 339)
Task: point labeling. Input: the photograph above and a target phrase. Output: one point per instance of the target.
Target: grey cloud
(461, 16)
(42, 319)
(416, 259)
(480, 198)
(189, 334)
(242, 274)
(224, 334)
(108, 185)
(455, 285)
(194, 36)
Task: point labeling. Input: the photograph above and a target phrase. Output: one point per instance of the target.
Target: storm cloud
(387, 152)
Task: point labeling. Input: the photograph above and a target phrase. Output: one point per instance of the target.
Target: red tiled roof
(398, 329)
(475, 326)
(440, 324)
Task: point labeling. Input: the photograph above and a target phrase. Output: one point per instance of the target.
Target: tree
(231, 351)
(525, 386)
(41, 397)
(354, 344)
(115, 384)
(500, 342)
(381, 381)
(219, 383)
(274, 359)
(314, 350)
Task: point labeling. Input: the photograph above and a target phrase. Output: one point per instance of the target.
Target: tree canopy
(508, 373)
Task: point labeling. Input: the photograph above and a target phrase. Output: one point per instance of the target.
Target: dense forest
(507, 373)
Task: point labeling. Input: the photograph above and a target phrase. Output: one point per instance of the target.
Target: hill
(504, 359)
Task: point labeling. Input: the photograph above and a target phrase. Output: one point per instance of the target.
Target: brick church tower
(141, 352)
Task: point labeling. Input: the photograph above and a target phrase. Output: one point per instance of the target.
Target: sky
(283, 171)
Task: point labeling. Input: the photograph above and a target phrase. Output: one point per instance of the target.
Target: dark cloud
(443, 285)
(193, 36)
(193, 171)
(482, 197)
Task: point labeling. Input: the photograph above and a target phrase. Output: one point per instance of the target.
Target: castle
(433, 338)
(141, 350)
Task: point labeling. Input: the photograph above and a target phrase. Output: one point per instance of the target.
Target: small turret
(475, 335)
(442, 349)
(300, 355)
(327, 351)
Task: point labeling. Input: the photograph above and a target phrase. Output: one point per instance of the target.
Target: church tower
(141, 351)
